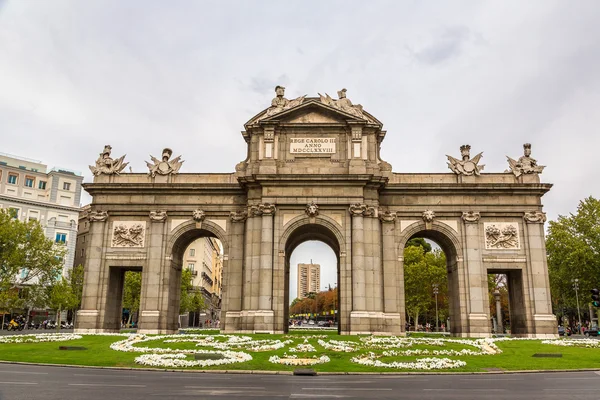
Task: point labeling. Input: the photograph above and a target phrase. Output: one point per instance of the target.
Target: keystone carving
(535, 217)
(106, 165)
(198, 215)
(238, 216)
(158, 216)
(98, 216)
(525, 164)
(267, 209)
(471, 216)
(312, 210)
(466, 166)
(164, 167)
(428, 216)
(357, 210)
(387, 216)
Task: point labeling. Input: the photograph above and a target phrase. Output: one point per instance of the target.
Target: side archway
(450, 243)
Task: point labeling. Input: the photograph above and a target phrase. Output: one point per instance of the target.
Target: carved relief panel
(128, 234)
(502, 235)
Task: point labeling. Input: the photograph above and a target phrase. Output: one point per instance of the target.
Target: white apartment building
(309, 279)
(31, 192)
(204, 258)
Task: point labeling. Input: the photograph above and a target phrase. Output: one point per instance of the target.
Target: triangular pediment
(311, 111)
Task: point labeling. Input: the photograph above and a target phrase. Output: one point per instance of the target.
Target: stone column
(263, 320)
(499, 325)
(233, 277)
(266, 258)
(544, 321)
(392, 276)
(476, 277)
(151, 314)
(88, 317)
(359, 317)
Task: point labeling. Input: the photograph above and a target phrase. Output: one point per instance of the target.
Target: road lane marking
(345, 389)
(23, 372)
(315, 396)
(107, 376)
(18, 383)
(104, 385)
(225, 387)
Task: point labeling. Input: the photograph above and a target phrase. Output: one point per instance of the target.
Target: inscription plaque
(312, 145)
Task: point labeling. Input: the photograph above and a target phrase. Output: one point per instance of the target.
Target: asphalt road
(25, 382)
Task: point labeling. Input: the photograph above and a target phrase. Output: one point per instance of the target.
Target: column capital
(471, 216)
(535, 217)
(98, 216)
(158, 216)
(238, 216)
(387, 216)
(267, 209)
(357, 209)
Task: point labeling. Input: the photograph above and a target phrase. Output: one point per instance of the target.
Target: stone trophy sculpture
(164, 167)
(467, 166)
(106, 165)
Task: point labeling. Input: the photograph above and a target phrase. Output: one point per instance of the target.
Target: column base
(479, 326)
(256, 321)
(375, 323)
(87, 321)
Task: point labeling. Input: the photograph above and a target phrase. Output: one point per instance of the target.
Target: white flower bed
(42, 337)
(371, 360)
(179, 360)
(303, 348)
(294, 360)
(338, 345)
(590, 343)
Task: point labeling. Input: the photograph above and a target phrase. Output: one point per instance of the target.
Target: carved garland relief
(128, 233)
(502, 235)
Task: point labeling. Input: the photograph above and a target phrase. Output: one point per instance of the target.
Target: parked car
(591, 332)
(324, 324)
(562, 331)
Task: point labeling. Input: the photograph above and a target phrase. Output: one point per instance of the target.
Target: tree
(26, 253)
(132, 290)
(421, 270)
(419, 242)
(187, 295)
(9, 299)
(573, 248)
(61, 297)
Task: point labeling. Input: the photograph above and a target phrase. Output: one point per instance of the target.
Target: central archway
(300, 230)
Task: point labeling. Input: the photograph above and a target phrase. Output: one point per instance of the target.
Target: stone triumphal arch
(314, 172)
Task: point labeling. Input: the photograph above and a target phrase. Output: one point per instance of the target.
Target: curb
(290, 373)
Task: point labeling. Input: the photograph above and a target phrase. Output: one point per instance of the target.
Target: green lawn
(516, 355)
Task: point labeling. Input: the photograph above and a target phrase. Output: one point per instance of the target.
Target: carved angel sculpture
(466, 166)
(164, 167)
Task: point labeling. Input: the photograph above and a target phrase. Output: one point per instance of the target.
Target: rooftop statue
(164, 167)
(525, 164)
(466, 166)
(343, 103)
(280, 103)
(106, 165)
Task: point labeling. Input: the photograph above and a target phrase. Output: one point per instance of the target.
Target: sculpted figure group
(466, 165)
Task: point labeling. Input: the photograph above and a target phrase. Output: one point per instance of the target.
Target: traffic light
(595, 297)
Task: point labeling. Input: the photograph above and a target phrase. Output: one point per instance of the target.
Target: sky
(142, 75)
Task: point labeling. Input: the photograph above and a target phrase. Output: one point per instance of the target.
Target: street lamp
(576, 287)
(436, 291)
(499, 327)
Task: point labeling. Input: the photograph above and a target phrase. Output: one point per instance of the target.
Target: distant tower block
(309, 278)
